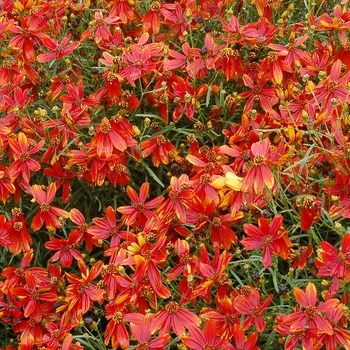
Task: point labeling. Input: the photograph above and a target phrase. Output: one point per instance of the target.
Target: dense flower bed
(174, 174)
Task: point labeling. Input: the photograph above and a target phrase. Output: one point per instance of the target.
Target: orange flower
(151, 21)
(176, 317)
(23, 164)
(47, 214)
(272, 238)
(259, 175)
(140, 210)
(81, 293)
(311, 314)
(160, 148)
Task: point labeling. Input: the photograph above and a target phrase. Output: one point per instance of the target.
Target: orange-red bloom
(272, 238)
(22, 151)
(176, 317)
(311, 314)
(47, 213)
(139, 210)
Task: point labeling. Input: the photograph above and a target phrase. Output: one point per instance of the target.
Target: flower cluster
(174, 174)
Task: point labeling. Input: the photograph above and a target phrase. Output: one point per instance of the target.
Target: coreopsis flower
(57, 50)
(106, 228)
(47, 213)
(201, 339)
(27, 35)
(293, 52)
(272, 238)
(151, 20)
(65, 251)
(147, 256)
(143, 333)
(99, 23)
(340, 336)
(16, 275)
(178, 193)
(311, 314)
(305, 337)
(185, 263)
(5, 227)
(332, 88)
(187, 98)
(140, 210)
(6, 186)
(259, 93)
(275, 61)
(212, 272)
(176, 317)
(138, 60)
(308, 213)
(63, 175)
(81, 293)
(176, 20)
(109, 138)
(162, 150)
(76, 99)
(259, 175)
(116, 332)
(18, 234)
(225, 316)
(222, 234)
(56, 333)
(243, 342)
(22, 152)
(300, 257)
(124, 10)
(110, 272)
(30, 297)
(252, 306)
(331, 261)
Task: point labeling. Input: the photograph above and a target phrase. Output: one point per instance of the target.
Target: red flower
(47, 214)
(57, 333)
(311, 313)
(308, 212)
(140, 210)
(104, 229)
(19, 235)
(81, 293)
(332, 262)
(251, 305)
(259, 93)
(57, 51)
(203, 339)
(151, 21)
(23, 164)
(178, 193)
(76, 98)
(143, 333)
(138, 60)
(160, 148)
(65, 249)
(63, 175)
(175, 317)
(259, 175)
(272, 238)
(101, 30)
(147, 256)
(28, 34)
(30, 297)
(332, 87)
(113, 137)
(5, 227)
(243, 342)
